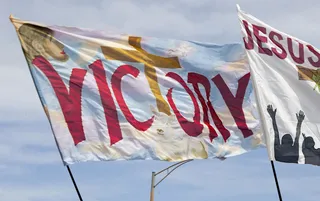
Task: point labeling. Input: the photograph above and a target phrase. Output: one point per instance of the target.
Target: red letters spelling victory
(70, 102)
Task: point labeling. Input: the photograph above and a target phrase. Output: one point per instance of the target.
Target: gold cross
(150, 62)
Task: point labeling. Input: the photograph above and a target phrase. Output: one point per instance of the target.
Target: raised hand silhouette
(300, 116)
(288, 150)
(271, 112)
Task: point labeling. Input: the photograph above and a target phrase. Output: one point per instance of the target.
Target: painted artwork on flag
(121, 97)
(285, 74)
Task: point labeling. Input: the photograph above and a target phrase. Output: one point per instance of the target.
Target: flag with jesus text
(121, 97)
(286, 78)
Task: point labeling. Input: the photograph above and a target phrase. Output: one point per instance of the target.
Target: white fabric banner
(286, 79)
(119, 97)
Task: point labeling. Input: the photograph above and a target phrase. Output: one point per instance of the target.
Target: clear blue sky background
(30, 165)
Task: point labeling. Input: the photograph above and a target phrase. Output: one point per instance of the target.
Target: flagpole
(276, 180)
(50, 123)
(260, 111)
(74, 183)
(265, 134)
(263, 127)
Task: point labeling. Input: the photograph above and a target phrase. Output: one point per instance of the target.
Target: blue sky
(30, 165)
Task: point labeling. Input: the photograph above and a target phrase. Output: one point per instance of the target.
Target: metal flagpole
(70, 173)
(264, 129)
(276, 180)
(154, 174)
(74, 184)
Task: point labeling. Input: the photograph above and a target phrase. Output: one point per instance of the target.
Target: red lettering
(194, 128)
(234, 103)
(312, 62)
(108, 104)
(248, 44)
(116, 87)
(70, 102)
(196, 79)
(300, 58)
(261, 39)
(283, 53)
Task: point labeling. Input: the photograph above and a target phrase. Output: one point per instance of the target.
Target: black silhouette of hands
(300, 116)
(272, 112)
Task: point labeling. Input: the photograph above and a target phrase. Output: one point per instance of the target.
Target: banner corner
(11, 18)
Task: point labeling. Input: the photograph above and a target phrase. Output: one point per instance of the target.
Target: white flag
(121, 97)
(286, 80)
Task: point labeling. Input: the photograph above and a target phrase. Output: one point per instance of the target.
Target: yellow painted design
(150, 62)
(310, 75)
